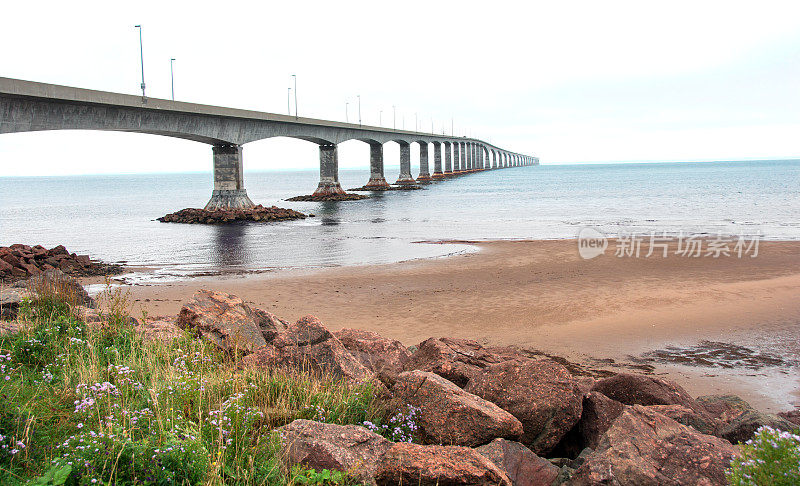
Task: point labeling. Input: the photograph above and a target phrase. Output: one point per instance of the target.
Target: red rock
(449, 415)
(698, 420)
(522, 466)
(58, 250)
(223, 319)
(12, 260)
(598, 413)
(723, 407)
(644, 390)
(308, 345)
(321, 446)
(539, 393)
(645, 448)
(792, 416)
(5, 267)
(434, 465)
(384, 357)
(456, 360)
(83, 260)
(744, 426)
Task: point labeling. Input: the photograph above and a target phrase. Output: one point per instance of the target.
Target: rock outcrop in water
(19, 262)
(328, 197)
(258, 213)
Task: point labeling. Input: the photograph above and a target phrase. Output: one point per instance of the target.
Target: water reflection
(229, 246)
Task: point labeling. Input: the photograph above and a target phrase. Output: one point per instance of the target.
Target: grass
(96, 404)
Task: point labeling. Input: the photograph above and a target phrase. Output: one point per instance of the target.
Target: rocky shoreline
(20, 261)
(476, 415)
(406, 187)
(258, 213)
(486, 415)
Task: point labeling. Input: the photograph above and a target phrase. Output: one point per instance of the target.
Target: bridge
(27, 106)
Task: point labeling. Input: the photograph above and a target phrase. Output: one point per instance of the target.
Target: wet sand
(607, 312)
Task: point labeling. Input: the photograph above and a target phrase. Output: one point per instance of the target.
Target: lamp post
(172, 76)
(359, 110)
(347, 111)
(295, 95)
(289, 102)
(416, 122)
(380, 118)
(141, 58)
(452, 133)
(394, 117)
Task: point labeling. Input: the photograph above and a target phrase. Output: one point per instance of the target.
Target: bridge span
(27, 106)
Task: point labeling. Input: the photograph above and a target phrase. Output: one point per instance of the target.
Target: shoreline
(604, 313)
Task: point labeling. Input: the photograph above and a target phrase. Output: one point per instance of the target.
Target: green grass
(96, 404)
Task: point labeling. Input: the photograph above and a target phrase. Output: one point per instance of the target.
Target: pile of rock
(258, 213)
(486, 415)
(328, 197)
(22, 261)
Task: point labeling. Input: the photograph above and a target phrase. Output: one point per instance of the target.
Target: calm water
(112, 217)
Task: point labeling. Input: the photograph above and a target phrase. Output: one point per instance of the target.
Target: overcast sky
(568, 81)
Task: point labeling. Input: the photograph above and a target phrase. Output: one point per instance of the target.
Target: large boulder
(449, 415)
(347, 448)
(792, 416)
(723, 407)
(597, 415)
(308, 345)
(56, 282)
(227, 321)
(385, 357)
(11, 299)
(434, 465)
(633, 389)
(644, 447)
(522, 466)
(744, 426)
(457, 360)
(698, 420)
(539, 393)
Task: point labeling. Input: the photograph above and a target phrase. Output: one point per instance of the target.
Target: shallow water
(113, 217)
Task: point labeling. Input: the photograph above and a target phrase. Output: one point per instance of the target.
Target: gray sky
(568, 81)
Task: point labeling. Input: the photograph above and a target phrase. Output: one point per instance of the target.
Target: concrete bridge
(27, 106)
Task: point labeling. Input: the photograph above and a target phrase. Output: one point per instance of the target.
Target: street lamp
(380, 118)
(295, 95)
(172, 76)
(289, 102)
(416, 122)
(141, 57)
(359, 110)
(394, 117)
(347, 111)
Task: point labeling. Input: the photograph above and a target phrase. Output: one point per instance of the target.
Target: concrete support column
(456, 157)
(376, 177)
(448, 160)
(494, 159)
(424, 171)
(229, 192)
(437, 160)
(482, 163)
(470, 156)
(464, 147)
(405, 165)
(328, 171)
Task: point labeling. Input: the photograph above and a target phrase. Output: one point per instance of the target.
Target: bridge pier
(376, 177)
(328, 171)
(437, 160)
(424, 171)
(405, 165)
(448, 161)
(229, 192)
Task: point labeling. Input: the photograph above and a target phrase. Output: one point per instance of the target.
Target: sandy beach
(715, 325)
